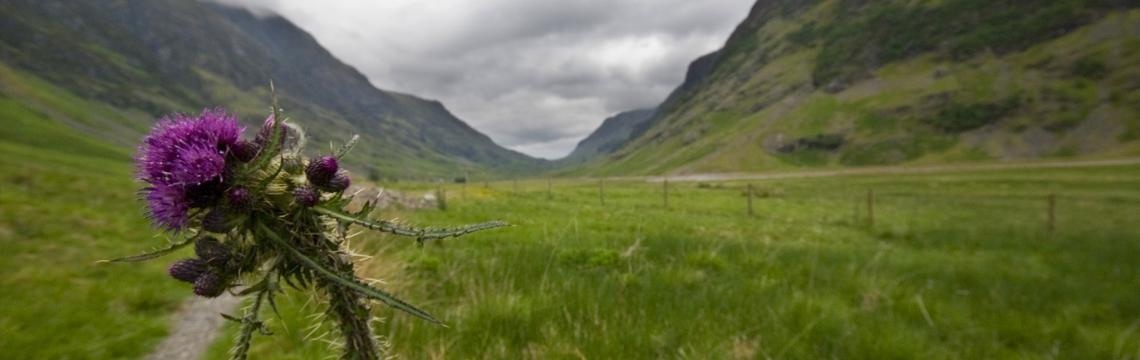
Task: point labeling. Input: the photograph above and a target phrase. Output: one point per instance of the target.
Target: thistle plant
(262, 217)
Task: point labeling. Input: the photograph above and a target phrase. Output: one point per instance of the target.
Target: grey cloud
(535, 75)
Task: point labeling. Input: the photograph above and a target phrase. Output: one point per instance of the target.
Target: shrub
(957, 117)
(1089, 68)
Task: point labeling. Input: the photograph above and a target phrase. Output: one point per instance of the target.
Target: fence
(872, 208)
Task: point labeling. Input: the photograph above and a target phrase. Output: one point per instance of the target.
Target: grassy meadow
(65, 202)
(956, 265)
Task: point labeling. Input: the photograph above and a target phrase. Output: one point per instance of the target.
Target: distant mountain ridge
(610, 135)
(153, 57)
(805, 83)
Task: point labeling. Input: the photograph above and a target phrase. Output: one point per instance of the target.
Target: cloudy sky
(536, 76)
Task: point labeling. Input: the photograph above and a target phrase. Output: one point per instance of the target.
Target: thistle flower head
(211, 251)
(245, 151)
(306, 196)
(266, 131)
(321, 170)
(197, 164)
(239, 199)
(210, 284)
(182, 152)
(187, 270)
(167, 205)
(339, 183)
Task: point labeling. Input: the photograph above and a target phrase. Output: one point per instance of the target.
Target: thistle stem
(346, 305)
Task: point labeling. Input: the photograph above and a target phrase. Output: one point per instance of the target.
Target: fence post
(749, 195)
(665, 192)
(871, 207)
(602, 190)
(441, 198)
(1051, 226)
(549, 190)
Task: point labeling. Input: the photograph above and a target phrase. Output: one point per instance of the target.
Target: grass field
(61, 209)
(956, 266)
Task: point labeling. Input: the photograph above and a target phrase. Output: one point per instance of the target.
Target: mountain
(804, 83)
(139, 59)
(612, 134)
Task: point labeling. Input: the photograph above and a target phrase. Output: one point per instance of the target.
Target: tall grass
(956, 266)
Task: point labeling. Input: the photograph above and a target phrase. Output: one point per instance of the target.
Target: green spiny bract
(279, 219)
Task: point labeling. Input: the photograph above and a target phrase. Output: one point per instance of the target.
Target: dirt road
(886, 170)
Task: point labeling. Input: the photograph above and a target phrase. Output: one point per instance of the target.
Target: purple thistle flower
(321, 170)
(180, 154)
(198, 164)
(187, 270)
(306, 196)
(168, 205)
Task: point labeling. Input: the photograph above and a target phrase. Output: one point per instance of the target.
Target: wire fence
(1047, 209)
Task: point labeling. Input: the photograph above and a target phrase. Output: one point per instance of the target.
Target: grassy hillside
(66, 201)
(846, 83)
(957, 265)
(156, 57)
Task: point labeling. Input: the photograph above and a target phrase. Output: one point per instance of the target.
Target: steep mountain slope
(147, 58)
(849, 83)
(608, 137)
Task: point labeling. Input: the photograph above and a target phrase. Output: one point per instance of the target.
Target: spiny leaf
(349, 283)
(344, 149)
(153, 254)
(421, 234)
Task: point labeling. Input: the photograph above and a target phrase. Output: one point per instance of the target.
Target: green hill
(142, 59)
(854, 83)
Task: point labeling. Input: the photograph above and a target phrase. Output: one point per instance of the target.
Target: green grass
(956, 266)
(59, 213)
(66, 201)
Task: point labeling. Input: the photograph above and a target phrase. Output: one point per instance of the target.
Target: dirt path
(887, 170)
(197, 324)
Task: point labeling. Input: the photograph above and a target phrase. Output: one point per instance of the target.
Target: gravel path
(196, 325)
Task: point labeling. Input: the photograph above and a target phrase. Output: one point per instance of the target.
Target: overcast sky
(537, 76)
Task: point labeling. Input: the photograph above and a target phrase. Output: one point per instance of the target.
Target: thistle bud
(211, 251)
(187, 270)
(217, 221)
(266, 131)
(306, 196)
(244, 151)
(339, 183)
(210, 284)
(321, 170)
(239, 199)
